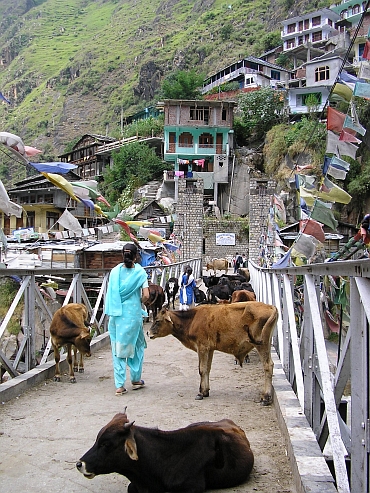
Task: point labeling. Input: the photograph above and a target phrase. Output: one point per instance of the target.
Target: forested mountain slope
(80, 66)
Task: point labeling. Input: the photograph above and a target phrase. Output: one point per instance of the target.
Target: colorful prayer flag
(313, 228)
(350, 123)
(322, 213)
(362, 90)
(335, 120)
(342, 91)
(364, 70)
(336, 146)
(366, 52)
(347, 136)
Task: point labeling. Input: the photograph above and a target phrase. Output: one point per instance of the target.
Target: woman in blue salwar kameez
(127, 290)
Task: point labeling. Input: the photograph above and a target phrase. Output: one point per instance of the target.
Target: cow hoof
(75, 368)
(72, 380)
(266, 401)
(81, 370)
(199, 397)
(56, 379)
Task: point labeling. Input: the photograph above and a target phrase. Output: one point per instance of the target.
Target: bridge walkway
(47, 428)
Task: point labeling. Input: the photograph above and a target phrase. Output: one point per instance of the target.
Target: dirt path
(45, 430)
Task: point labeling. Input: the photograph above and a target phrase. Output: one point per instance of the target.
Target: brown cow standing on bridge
(156, 299)
(242, 295)
(68, 328)
(201, 456)
(234, 328)
(218, 264)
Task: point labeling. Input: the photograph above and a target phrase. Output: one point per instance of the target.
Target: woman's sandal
(138, 385)
(121, 391)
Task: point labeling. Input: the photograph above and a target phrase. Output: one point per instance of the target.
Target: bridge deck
(46, 429)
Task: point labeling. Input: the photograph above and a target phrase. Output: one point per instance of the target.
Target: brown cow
(156, 299)
(242, 295)
(218, 264)
(68, 328)
(243, 271)
(234, 328)
(199, 457)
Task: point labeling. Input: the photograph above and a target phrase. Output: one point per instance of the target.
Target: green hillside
(77, 66)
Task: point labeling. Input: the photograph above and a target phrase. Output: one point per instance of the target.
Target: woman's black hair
(129, 254)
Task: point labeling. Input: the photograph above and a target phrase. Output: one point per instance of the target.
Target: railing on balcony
(186, 149)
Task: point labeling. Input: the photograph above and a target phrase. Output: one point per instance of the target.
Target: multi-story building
(251, 72)
(43, 204)
(84, 155)
(198, 142)
(304, 36)
(313, 83)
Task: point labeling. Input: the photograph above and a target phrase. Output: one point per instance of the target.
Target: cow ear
(130, 448)
(167, 316)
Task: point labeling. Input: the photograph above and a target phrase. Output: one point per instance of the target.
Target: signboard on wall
(225, 238)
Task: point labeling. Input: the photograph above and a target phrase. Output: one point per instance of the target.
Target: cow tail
(266, 329)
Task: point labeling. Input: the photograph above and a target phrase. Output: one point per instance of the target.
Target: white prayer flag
(68, 221)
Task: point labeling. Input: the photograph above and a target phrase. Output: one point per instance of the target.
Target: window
(30, 219)
(300, 26)
(310, 98)
(291, 28)
(51, 219)
(249, 81)
(290, 44)
(316, 36)
(322, 73)
(275, 74)
(48, 198)
(307, 24)
(200, 113)
(223, 114)
(185, 140)
(316, 21)
(356, 9)
(206, 140)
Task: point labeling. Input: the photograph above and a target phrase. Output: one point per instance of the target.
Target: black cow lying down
(202, 456)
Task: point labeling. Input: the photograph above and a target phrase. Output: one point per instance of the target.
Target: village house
(198, 143)
(43, 203)
(84, 154)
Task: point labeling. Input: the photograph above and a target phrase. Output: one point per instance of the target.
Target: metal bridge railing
(319, 387)
(79, 284)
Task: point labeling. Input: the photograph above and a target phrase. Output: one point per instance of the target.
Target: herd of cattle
(227, 319)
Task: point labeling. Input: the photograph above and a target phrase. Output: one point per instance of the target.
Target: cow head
(113, 451)
(82, 342)
(162, 325)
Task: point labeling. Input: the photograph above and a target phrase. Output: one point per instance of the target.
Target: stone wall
(260, 195)
(211, 226)
(189, 221)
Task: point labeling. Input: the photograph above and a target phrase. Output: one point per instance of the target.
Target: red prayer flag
(366, 53)
(335, 121)
(346, 136)
(313, 228)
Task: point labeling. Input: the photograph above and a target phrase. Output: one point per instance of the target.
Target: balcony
(195, 149)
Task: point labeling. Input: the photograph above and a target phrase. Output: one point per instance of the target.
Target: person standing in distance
(127, 290)
(187, 286)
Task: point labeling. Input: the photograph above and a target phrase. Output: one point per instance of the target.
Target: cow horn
(127, 426)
